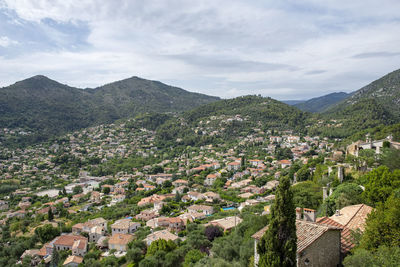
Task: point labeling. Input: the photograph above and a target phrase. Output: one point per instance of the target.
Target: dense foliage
(278, 245)
(237, 116)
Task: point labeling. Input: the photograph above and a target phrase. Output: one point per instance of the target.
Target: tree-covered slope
(44, 108)
(320, 104)
(135, 95)
(384, 91)
(375, 104)
(231, 118)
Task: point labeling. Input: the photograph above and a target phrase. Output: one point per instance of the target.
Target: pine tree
(279, 244)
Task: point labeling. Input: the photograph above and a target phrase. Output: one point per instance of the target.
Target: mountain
(376, 104)
(384, 91)
(229, 119)
(293, 102)
(44, 108)
(319, 104)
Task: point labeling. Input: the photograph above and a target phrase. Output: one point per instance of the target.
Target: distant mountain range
(322, 103)
(374, 104)
(293, 102)
(47, 108)
(383, 93)
(318, 104)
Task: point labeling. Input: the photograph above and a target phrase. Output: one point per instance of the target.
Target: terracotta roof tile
(353, 216)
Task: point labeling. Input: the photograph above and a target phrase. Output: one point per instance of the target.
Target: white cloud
(5, 41)
(284, 49)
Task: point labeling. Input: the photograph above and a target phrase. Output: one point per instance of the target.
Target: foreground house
(350, 218)
(317, 244)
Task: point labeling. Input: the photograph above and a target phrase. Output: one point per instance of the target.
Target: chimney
(337, 213)
(298, 213)
(309, 215)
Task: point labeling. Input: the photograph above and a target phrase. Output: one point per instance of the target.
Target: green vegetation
(307, 195)
(278, 245)
(322, 103)
(44, 108)
(252, 112)
(380, 184)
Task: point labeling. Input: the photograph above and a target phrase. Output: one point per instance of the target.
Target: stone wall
(325, 251)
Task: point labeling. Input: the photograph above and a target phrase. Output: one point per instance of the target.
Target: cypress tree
(278, 246)
(50, 215)
(55, 258)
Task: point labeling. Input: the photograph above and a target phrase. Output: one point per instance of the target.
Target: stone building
(317, 244)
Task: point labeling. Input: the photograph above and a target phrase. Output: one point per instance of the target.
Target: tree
(50, 215)
(303, 174)
(77, 190)
(148, 262)
(55, 258)
(382, 225)
(391, 158)
(5, 233)
(160, 245)
(192, 257)
(212, 232)
(134, 255)
(381, 182)
(106, 190)
(345, 194)
(279, 244)
(384, 256)
(196, 238)
(307, 195)
(47, 232)
(283, 153)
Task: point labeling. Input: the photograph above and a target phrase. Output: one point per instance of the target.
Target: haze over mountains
(47, 108)
(320, 104)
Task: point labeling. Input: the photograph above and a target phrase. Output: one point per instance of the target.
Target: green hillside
(44, 108)
(231, 118)
(384, 91)
(373, 105)
(320, 104)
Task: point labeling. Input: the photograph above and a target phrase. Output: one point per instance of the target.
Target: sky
(286, 49)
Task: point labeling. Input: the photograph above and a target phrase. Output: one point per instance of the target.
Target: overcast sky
(286, 49)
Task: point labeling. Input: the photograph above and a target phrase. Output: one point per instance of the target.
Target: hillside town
(100, 189)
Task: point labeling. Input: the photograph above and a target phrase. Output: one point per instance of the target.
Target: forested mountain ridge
(373, 105)
(320, 104)
(385, 92)
(43, 107)
(231, 118)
